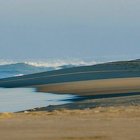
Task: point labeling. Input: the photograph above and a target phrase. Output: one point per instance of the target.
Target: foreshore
(101, 123)
(107, 106)
(108, 118)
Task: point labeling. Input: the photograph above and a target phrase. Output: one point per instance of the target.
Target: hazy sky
(41, 29)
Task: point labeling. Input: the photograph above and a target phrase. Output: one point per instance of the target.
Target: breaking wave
(59, 63)
(13, 68)
(54, 63)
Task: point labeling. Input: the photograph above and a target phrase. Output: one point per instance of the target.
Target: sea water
(19, 99)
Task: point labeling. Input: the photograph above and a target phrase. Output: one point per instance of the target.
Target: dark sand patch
(90, 102)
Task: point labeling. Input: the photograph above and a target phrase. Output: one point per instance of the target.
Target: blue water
(19, 99)
(17, 69)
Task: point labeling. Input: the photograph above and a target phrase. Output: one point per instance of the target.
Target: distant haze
(65, 29)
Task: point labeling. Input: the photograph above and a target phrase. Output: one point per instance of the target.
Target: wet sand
(91, 102)
(109, 123)
(94, 87)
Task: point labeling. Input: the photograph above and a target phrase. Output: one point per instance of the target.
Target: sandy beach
(112, 123)
(107, 106)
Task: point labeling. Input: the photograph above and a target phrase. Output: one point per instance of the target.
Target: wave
(13, 68)
(54, 63)
(59, 63)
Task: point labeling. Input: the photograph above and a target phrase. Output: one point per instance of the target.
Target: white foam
(59, 63)
(56, 64)
(18, 75)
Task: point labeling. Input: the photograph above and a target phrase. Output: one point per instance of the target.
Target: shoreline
(108, 107)
(103, 117)
(94, 93)
(90, 102)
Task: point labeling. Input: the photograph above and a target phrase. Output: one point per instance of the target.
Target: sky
(67, 29)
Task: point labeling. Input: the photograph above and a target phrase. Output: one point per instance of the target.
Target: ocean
(12, 68)
(19, 99)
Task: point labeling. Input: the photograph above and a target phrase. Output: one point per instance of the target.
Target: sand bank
(94, 87)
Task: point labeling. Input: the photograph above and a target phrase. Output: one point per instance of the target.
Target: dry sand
(111, 123)
(94, 87)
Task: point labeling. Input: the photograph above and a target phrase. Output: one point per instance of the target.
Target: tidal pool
(19, 99)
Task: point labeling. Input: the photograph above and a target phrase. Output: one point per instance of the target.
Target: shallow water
(19, 99)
